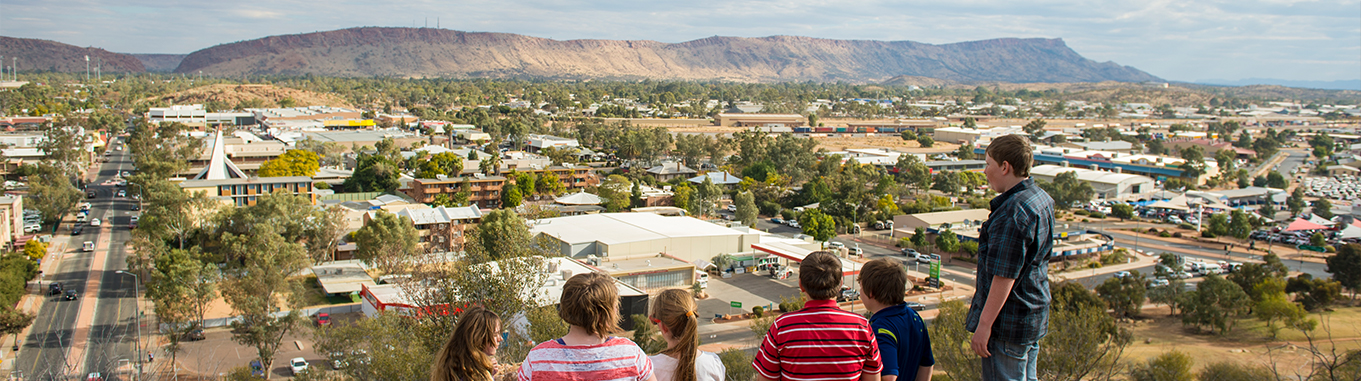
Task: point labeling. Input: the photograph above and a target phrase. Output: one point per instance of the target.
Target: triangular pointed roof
(1351, 231)
(1302, 224)
(219, 168)
(580, 198)
(1321, 221)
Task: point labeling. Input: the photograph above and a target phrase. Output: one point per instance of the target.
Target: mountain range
(431, 52)
(44, 55)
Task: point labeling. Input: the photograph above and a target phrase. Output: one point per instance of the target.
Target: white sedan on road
(298, 365)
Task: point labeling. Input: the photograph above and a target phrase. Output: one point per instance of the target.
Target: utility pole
(87, 68)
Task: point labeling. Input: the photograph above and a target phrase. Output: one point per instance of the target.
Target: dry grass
(233, 94)
(1248, 343)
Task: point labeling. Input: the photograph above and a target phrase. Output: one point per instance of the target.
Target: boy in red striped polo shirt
(820, 342)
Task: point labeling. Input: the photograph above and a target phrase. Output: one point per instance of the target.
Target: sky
(1181, 40)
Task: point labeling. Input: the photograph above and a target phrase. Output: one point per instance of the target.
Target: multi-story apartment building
(245, 191)
(441, 229)
(484, 191)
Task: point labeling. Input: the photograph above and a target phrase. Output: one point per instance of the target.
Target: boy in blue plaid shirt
(1010, 309)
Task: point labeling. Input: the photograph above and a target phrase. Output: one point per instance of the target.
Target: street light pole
(136, 317)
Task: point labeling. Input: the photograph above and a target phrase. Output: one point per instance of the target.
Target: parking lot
(218, 354)
(750, 289)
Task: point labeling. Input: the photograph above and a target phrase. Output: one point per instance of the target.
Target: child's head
(820, 275)
(884, 281)
(675, 314)
(591, 301)
(468, 353)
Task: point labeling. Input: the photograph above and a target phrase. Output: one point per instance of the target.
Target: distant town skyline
(1176, 40)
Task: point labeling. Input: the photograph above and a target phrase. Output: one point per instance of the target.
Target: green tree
(908, 135)
(707, 196)
(615, 191)
(1318, 240)
(1170, 366)
(919, 239)
(925, 141)
(35, 249)
(13, 322)
(949, 343)
(1276, 180)
(1273, 307)
(1123, 211)
(387, 242)
(1219, 224)
(913, 172)
(1224, 158)
(1314, 293)
(746, 208)
(947, 241)
(1346, 267)
(1078, 324)
(1034, 128)
(294, 162)
(1296, 201)
(500, 233)
(52, 193)
(374, 173)
(1322, 208)
(181, 287)
(737, 364)
(526, 182)
(1124, 295)
(549, 184)
(1067, 190)
(511, 198)
(1239, 225)
(1215, 303)
(1243, 180)
(816, 224)
(1170, 295)
(261, 282)
(1194, 165)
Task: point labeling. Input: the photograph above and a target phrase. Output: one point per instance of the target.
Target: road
(109, 327)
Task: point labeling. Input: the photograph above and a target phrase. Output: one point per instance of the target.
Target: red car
(323, 319)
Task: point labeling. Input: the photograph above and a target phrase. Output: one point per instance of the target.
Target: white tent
(1321, 221)
(1351, 231)
(580, 198)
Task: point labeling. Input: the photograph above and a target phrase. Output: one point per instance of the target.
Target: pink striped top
(617, 359)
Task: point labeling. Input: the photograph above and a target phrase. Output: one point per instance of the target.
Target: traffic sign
(1311, 248)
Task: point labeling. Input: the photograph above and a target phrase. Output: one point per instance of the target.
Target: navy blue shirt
(1016, 242)
(903, 343)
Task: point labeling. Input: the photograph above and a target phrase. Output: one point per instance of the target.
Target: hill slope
(159, 62)
(44, 55)
(426, 52)
(233, 96)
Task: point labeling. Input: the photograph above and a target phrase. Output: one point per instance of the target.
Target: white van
(702, 279)
(88, 246)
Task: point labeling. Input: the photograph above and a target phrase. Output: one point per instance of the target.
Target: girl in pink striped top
(590, 305)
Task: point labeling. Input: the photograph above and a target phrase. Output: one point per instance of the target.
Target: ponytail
(676, 310)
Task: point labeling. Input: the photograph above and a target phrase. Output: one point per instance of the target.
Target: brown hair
(463, 357)
(1012, 149)
(591, 301)
(820, 275)
(884, 280)
(676, 310)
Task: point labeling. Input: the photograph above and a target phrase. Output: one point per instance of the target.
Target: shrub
(1176, 235)
(1094, 265)
(1086, 220)
(758, 311)
(1207, 234)
(1152, 231)
(770, 208)
(1330, 249)
(1186, 226)
(1165, 234)
(1080, 212)
(737, 364)
(787, 214)
(1097, 215)
(905, 242)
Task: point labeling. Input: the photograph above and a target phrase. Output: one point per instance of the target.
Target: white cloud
(1174, 39)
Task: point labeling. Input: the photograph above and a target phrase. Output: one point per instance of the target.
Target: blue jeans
(1011, 362)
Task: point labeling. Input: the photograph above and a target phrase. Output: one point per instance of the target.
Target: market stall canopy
(1302, 224)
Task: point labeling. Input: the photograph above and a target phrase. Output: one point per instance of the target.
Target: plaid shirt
(1016, 242)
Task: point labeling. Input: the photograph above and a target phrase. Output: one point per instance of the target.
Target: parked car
(1121, 274)
(910, 253)
(195, 334)
(835, 245)
(924, 258)
(76, 229)
(88, 246)
(95, 222)
(777, 220)
(916, 306)
(847, 294)
(257, 369)
(323, 319)
(122, 193)
(856, 251)
(297, 365)
(54, 288)
(794, 224)
(1158, 283)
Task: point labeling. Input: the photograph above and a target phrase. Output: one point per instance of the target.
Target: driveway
(218, 354)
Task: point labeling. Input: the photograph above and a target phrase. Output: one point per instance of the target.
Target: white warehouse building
(1106, 185)
(618, 236)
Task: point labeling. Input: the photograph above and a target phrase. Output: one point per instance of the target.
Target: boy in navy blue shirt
(900, 332)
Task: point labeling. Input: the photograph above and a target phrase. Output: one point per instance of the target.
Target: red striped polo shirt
(820, 342)
(616, 359)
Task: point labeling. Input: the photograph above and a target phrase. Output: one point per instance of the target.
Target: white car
(297, 364)
(95, 222)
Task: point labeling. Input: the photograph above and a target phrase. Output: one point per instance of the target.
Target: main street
(76, 337)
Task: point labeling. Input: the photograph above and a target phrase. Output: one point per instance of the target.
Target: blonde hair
(676, 311)
(591, 301)
(464, 356)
